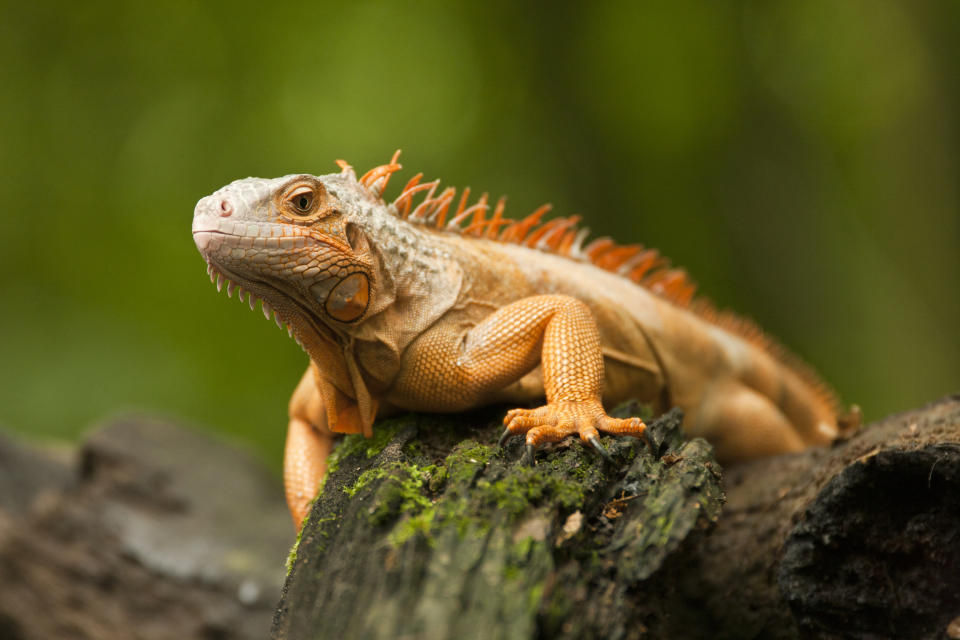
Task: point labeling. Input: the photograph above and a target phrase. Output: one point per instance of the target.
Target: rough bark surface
(432, 532)
(861, 540)
(429, 532)
(150, 531)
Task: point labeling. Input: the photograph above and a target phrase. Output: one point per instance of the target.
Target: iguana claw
(595, 441)
(555, 421)
(529, 456)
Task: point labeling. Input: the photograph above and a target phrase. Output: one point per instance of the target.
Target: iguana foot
(557, 420)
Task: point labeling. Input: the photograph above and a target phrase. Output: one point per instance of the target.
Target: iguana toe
(555, 421)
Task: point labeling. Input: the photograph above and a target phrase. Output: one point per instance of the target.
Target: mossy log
(861, 540)
(429, 531)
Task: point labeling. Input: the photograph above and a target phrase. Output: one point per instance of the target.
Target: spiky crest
(561, 236)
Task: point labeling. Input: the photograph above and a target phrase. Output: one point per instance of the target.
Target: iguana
(430, 303)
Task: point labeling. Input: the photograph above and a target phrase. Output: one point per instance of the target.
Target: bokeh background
(800, 158)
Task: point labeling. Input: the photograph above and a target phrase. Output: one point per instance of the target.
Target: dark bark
(428, 531)
(150, 531)
(861, 540)
(432, 533)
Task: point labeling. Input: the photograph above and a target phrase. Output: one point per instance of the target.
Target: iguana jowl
(437, 306)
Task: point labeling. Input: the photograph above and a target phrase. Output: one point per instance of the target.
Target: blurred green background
(800, 158)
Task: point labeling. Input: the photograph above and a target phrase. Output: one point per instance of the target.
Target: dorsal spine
(561, 236)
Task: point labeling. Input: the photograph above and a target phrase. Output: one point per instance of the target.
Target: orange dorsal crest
(562, 236)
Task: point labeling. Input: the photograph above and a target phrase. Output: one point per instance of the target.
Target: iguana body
(399, 308)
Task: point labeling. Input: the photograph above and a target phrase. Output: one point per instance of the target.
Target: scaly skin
(398, 311)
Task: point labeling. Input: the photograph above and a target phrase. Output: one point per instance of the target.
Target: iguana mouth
(202, 237)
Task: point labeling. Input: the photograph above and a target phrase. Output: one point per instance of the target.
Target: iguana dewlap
(429, 303)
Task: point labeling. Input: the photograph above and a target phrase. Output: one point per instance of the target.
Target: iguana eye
(301, 200)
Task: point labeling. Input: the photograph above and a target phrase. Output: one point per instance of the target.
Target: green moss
(588, 467)
(416, 476)
(522, 548)
(438, 480)
(534, 595)
(465, 461)
(405, 489)
(366, 478)
(402, 492)
(356, 444)
(413, 449)
(525, 486)
(418, 524)
(292, 555)
(522, 555)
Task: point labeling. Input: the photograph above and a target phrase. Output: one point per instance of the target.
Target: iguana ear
(349, 299)
(380, 291)
(420, 297)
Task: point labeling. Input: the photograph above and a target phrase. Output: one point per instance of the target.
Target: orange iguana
(432, 305)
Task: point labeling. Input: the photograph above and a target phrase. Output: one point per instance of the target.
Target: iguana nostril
(226, 209)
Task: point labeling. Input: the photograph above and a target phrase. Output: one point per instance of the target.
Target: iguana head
(294, 243)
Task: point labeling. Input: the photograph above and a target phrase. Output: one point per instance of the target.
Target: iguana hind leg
(742, 424)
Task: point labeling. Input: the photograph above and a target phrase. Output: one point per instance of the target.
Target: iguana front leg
(309, 442)
(450, 370)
